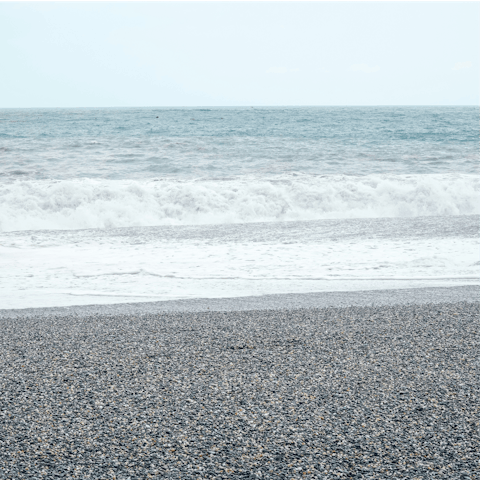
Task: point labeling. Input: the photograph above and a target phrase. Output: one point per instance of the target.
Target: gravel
(386, 391)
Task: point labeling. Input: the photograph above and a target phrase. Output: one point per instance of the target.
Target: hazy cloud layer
(282, 70)
(100, 54)
(364, 68)
(462, 65)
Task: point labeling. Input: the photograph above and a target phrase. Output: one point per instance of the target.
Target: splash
(89, 203)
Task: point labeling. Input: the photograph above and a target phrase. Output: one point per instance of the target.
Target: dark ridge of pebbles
(358, 392)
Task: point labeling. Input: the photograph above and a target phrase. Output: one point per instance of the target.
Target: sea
(124, 205)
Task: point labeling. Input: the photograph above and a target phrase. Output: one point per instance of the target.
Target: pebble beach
(231, 249)
(360, 391)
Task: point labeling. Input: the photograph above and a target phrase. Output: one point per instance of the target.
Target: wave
(93, 203)
(141, 271)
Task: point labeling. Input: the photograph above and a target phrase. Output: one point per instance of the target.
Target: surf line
(325, 278)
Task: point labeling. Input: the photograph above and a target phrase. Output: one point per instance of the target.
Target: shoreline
(293, 301)
(319, 393)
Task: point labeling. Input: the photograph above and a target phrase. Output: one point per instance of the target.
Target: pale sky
(237, 54)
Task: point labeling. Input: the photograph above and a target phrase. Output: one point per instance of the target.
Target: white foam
(89, 203)
(81, 271)
(277, 278)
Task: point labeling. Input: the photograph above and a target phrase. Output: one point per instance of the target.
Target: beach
(378, 389)
(239, 292)
(239, 241)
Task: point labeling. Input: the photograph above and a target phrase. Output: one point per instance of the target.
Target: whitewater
(126, 205)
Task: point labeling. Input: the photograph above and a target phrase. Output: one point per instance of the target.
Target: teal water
(148, 143)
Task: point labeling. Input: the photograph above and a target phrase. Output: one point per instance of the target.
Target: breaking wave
(90, 203)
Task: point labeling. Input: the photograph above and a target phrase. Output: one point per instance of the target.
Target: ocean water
(125, 205)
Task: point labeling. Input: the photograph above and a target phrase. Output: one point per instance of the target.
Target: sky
(125, 54)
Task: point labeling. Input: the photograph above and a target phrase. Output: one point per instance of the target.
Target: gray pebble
(353, 392)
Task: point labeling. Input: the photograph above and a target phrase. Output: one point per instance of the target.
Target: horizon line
(251, 106)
